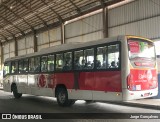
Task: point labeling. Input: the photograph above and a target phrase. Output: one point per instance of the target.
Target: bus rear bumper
(133, 95)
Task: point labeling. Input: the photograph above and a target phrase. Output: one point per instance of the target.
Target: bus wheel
(15, 92)
(62, 97)
(71, 102)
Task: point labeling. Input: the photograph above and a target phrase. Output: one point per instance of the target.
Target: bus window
(141, 50)
(59, 61)
(37, 64)
(14, 67)
(113, 56)
(20, 66)
(78, 59)
(101, 58)
(89, 59)
(25, 68)
(31, 65)
(51, 63)
(6, 69)
(44, 63)
(34, 64)
(67, 61)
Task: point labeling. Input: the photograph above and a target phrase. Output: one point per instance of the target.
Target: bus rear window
(141, 49)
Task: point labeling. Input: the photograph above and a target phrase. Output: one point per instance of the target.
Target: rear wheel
(62, 97)
(15, 92)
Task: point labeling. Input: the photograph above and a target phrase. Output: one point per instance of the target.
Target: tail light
(128, 81)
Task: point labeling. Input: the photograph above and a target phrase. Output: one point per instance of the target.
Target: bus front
(142, 79)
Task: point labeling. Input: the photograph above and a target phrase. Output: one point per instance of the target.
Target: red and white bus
(120, 68)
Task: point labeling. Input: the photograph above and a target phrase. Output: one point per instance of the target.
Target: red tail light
(128, 81)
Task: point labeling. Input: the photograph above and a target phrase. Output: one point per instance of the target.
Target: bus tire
(62, 97)
(15, 92)
(71, 102)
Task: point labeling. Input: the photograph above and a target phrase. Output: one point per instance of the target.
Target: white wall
(157, 45)
(140, 17)
(49, 38)
(26, 45)
(8, 50)
(86, 29)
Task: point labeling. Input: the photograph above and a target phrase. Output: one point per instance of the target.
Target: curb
(136, 105)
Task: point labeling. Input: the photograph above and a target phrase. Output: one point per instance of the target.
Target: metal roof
(19, 17)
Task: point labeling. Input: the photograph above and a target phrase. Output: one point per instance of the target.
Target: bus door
(108, 74)
(83, 74)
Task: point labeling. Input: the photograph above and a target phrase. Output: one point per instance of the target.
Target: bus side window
(67, 61)
(59, 61)
(34, 64)
(101, 58)
(37, 64)
(88, 59)
(14, 67)
(20, 66)
(51, 63)
(31, 65)
(44, 64)
(6, 69)
(78, 59)
(25, 68)
(113, 56)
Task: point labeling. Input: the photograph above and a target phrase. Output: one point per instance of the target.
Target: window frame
(22, 66)
(15, 61)
(8, 62)
(54, 61)
(41, 65)
(73, 57)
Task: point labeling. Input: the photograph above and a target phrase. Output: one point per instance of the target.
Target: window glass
(67, 61)
(31, 65)
(20, 66)
(141, 49)
(51, 63)
(25, 69)
(88, 62)
(78, 59)
(44, 63)
(101, 58)
(113, 56)
(37, 64)
(59, 61)
(6, 69)
(14, 67)
(34, 64)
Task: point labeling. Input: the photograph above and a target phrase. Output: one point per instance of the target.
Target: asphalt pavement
(151, 103)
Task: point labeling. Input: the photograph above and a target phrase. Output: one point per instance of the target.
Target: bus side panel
(64, 78)
(22, 83)
(7, 83)
(86, 81)
(109, 81)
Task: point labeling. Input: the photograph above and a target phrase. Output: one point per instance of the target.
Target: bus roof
(70, 46)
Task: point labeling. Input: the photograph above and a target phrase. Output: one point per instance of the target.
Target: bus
(119, 68)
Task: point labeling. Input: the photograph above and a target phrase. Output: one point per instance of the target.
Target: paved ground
(35, 104)
(143, 103)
